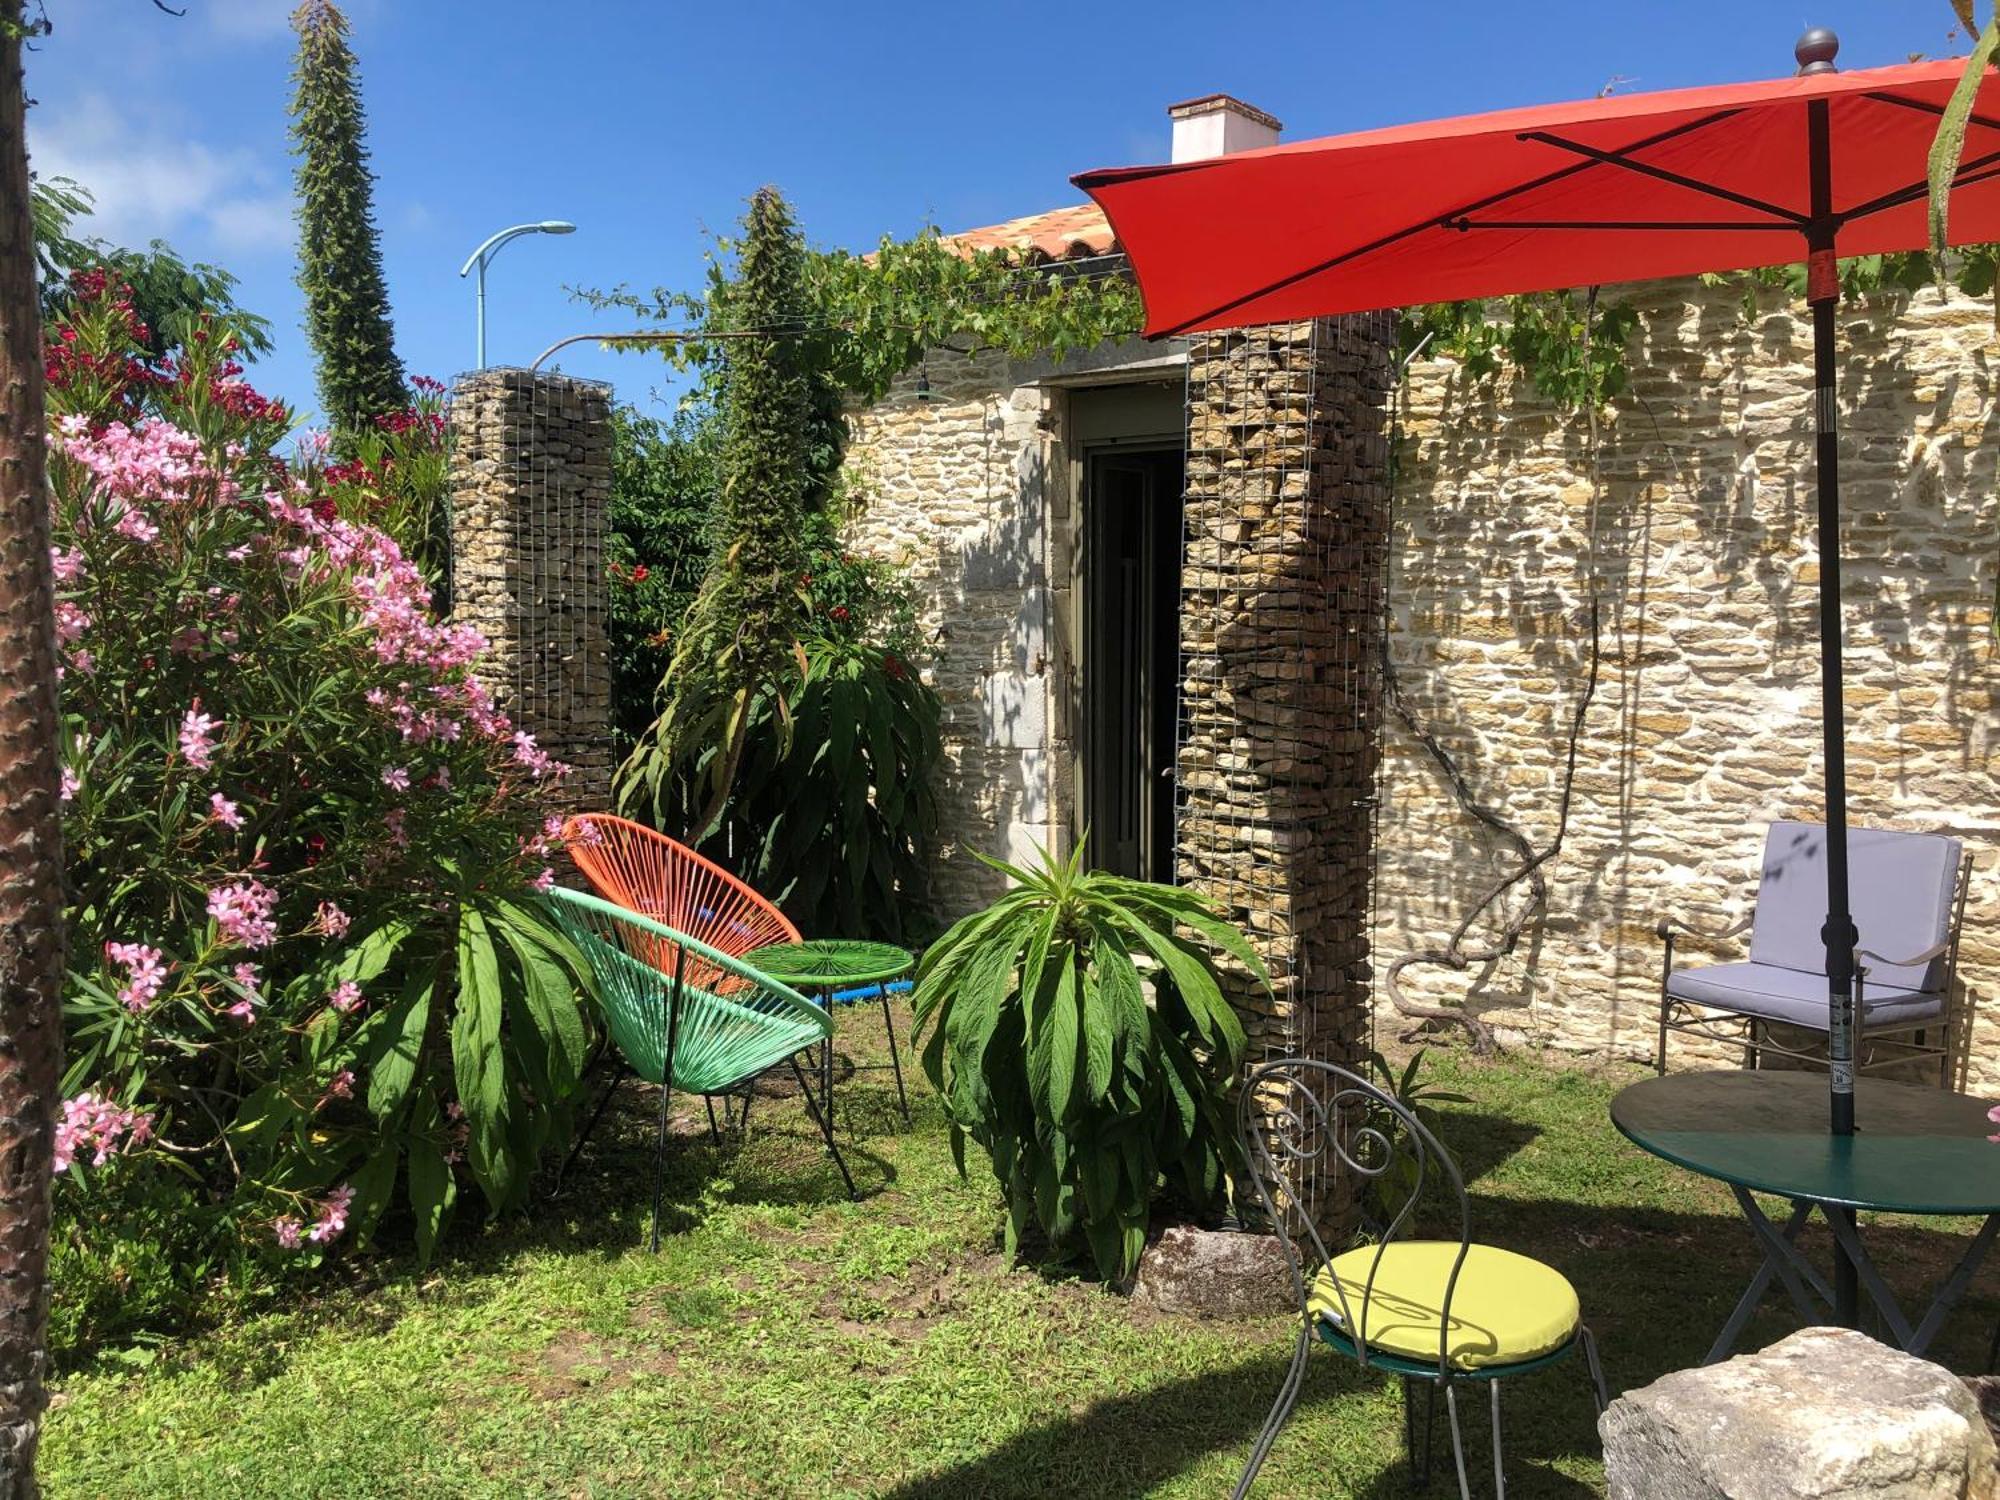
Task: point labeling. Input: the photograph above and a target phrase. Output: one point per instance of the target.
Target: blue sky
(649, 122)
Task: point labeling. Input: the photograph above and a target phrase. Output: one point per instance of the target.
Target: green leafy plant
(1383, 1195)
(1078, 1034)
(834, 815)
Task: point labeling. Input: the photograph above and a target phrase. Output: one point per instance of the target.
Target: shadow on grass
(1125, 1447)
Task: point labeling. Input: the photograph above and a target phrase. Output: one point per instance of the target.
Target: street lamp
(485, 253)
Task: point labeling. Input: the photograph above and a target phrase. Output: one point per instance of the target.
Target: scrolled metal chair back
(1307, 1126)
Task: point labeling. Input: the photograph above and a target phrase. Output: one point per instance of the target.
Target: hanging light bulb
(924, 376)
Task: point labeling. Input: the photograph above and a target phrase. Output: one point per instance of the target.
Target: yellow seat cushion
(1505, 1308)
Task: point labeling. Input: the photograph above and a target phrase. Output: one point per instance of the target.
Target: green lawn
(787, 1342)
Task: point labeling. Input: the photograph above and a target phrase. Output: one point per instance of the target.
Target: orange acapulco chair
(644, 871)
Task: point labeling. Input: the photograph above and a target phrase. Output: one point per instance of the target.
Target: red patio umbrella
(1602, 190)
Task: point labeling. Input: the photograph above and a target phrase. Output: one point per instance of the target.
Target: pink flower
(331, 920)
(396, 778)
(552, 826)
(346, 997)
(332, 1215)
(224, 811)
(134, 524)
(394, 820)
(145, 974)
(198, 737)
(70, 783)
(242, 913)
(544, 881)
(67, 562)
(72, 620)
(286, 1231)
(94, 1124)
(342, 1087)
(251, 982)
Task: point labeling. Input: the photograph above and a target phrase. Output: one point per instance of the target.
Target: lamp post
(485, 252)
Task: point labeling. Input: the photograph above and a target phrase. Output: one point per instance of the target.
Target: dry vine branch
(1455, 955)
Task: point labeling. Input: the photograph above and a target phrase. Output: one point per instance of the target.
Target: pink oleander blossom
(330, 921)
(545, 881)
(287, 1231)
(242, 912)
(224, 811)
(68, 564)
(137, 525)
(396, 778)
(72, 620)
(94, 1124)
(197, 737)
(332, 1216)
(341, 1086)
(145, 973)
(70, 785)
(346, 997)
(252, 983)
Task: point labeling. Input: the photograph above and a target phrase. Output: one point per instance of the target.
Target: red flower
(641, 573)
(893, 665)
(838, 613)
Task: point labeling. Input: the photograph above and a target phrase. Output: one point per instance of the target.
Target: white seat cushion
(1772, 993)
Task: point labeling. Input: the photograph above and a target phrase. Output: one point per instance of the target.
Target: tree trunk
(31, 901)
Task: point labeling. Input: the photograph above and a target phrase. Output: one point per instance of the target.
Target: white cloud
(244, 20)
(148, 185)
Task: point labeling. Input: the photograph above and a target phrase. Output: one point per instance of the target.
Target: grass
(787, 1342)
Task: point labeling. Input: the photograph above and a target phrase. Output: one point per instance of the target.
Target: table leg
(1955, 1285)
(1854, 1254)
(1846, 1296)
(1777, 1246)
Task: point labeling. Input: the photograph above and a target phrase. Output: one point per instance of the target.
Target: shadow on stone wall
(1706, 722)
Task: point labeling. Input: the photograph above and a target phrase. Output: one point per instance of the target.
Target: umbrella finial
(1816, 51)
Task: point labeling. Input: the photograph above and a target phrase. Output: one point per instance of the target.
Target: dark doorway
(1131, 658)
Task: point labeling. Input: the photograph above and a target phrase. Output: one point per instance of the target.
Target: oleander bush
(311, 991)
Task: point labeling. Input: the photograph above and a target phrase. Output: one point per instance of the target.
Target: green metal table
(839, 971)
(1915, 1150)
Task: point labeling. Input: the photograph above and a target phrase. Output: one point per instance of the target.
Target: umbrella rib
(1622, 159)
(1970, 172)
(1441, 220)
(1704, 225)
(1927, 108)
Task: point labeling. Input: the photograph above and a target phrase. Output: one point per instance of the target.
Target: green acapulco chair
(679, 1035)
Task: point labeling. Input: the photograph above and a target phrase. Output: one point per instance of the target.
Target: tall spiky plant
(742, 637)
(340, 254)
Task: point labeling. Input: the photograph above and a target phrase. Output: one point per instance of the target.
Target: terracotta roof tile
(1059, 234)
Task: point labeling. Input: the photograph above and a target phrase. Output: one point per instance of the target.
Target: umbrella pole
(1839, 934)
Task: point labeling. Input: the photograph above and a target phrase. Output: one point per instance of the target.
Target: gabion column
(531, 495)
(1288, 495)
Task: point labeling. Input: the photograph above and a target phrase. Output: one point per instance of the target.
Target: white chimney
(1217, 124)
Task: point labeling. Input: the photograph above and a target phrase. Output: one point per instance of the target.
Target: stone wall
(1287, 517)
(531, 492)
(1705, 725)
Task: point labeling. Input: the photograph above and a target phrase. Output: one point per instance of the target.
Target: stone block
(1208, 1274)
(1826, 1414)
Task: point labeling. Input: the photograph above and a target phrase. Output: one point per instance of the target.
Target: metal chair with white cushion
(1908, 893)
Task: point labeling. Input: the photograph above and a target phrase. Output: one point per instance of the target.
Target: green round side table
(842, 971)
